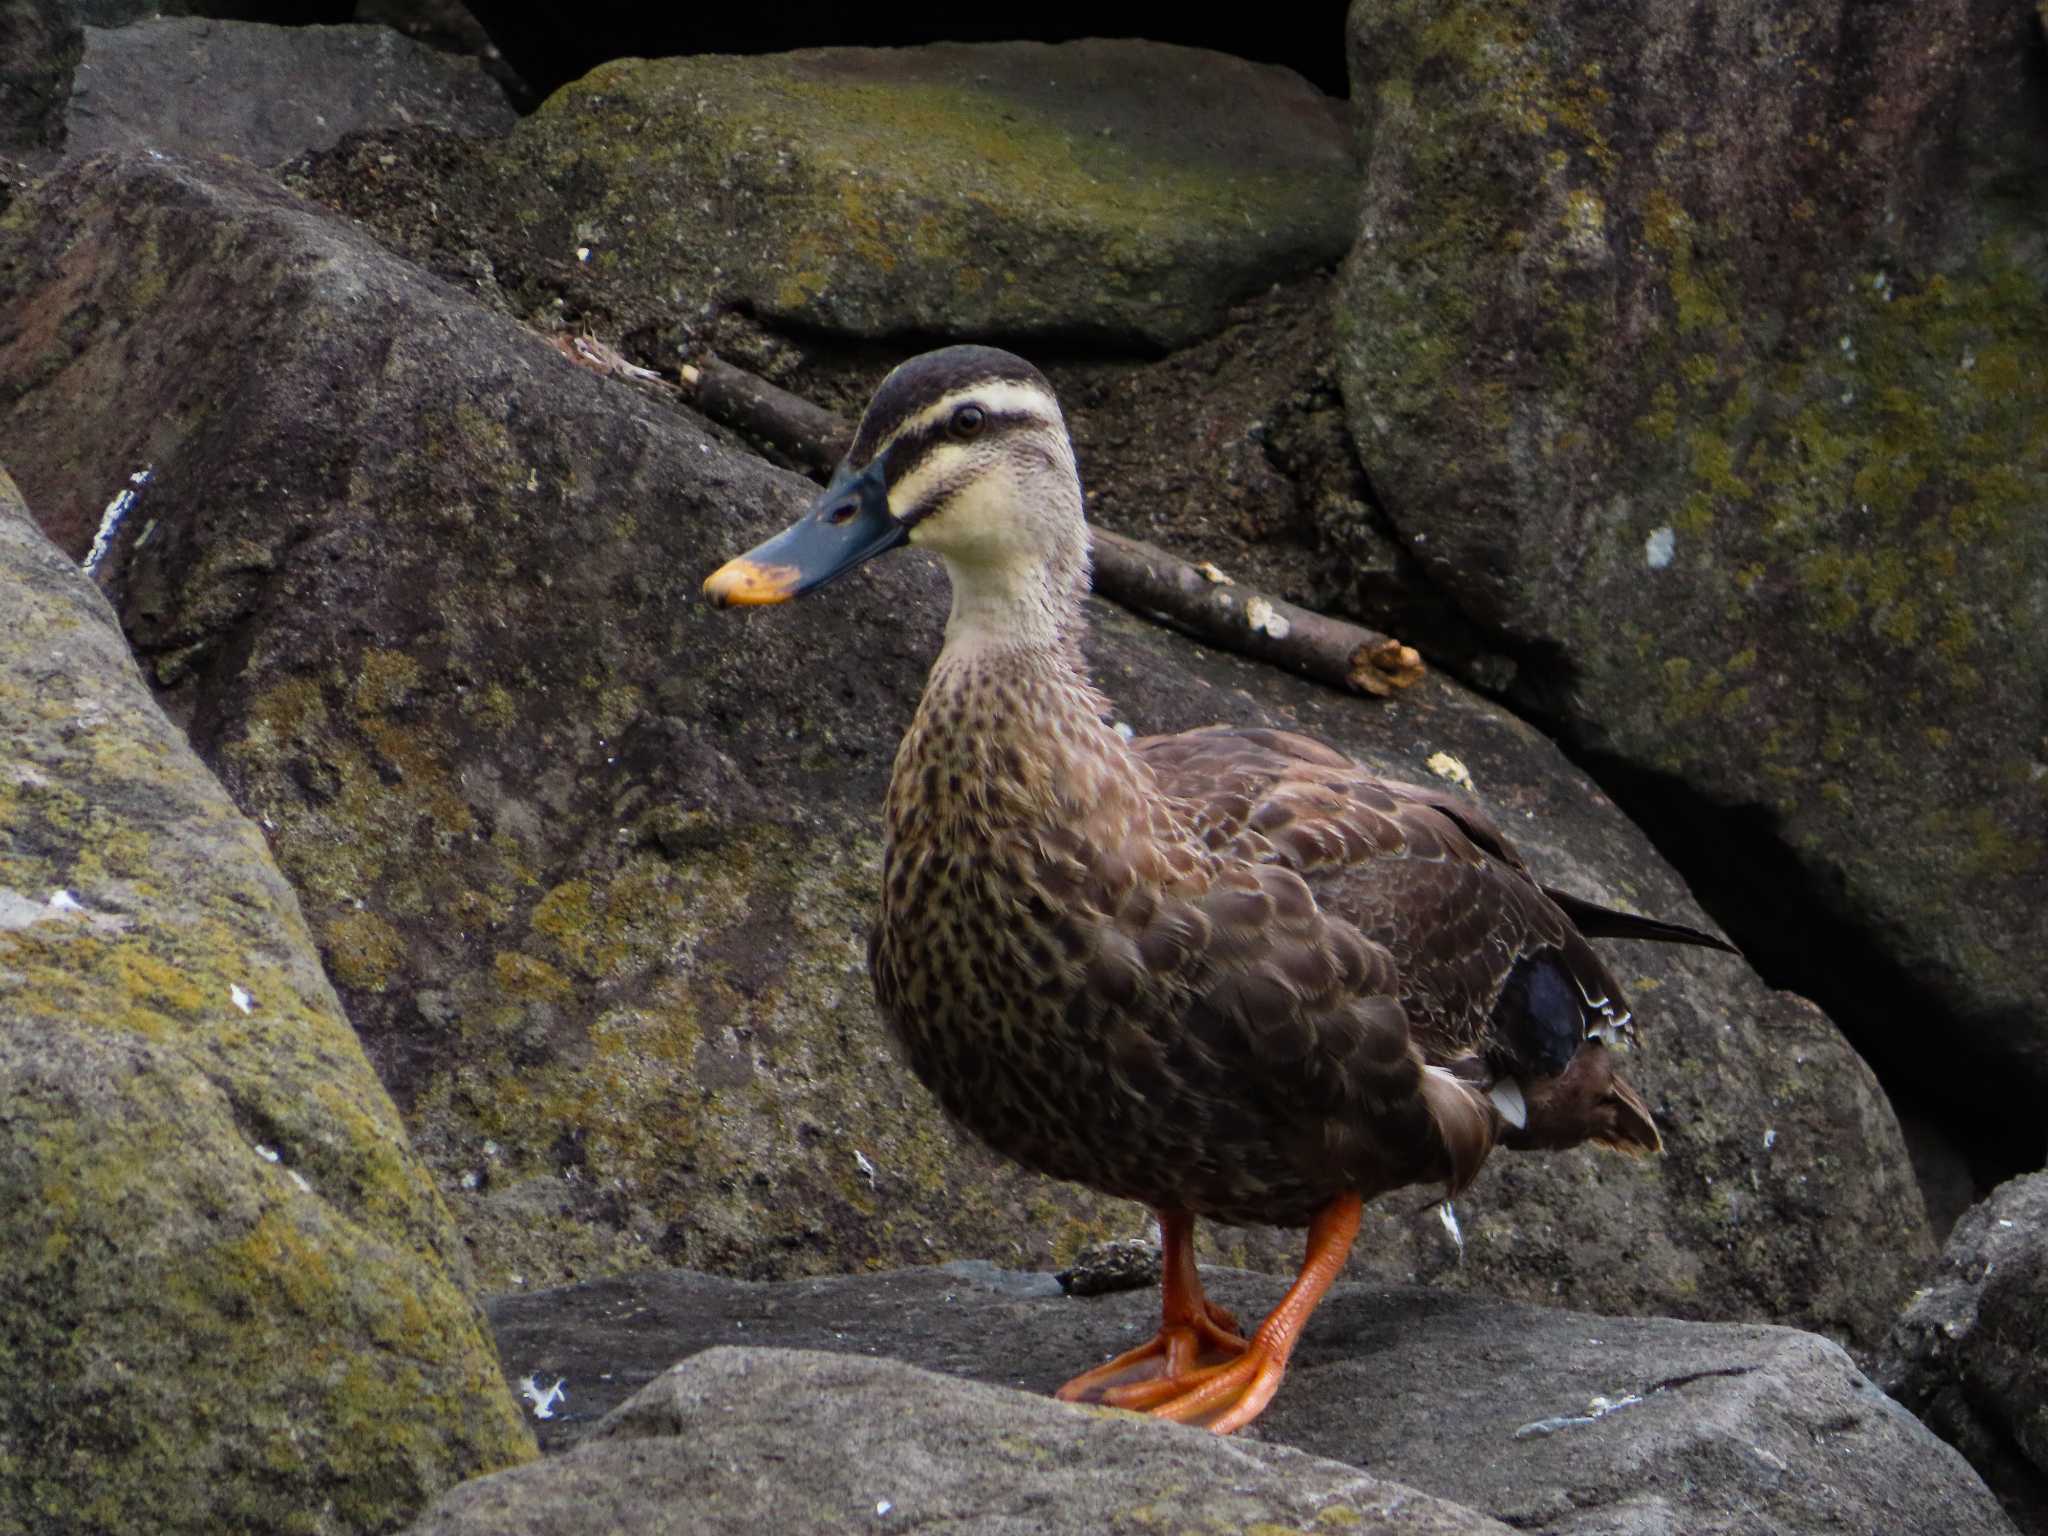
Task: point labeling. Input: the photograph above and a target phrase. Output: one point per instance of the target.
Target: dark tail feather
(1597, 922)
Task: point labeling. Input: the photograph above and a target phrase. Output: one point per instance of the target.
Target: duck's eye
(968, 420)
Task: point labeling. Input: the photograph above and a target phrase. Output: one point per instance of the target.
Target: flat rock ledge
(1400, 1398)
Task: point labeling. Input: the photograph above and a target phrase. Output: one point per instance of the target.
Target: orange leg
(1193, 1330)
(1229, 1396)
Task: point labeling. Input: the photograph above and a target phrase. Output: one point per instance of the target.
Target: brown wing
(1499, 984)
(1446, 896)
(1272, 1027)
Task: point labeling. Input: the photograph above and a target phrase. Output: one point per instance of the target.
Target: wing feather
(1492, 971)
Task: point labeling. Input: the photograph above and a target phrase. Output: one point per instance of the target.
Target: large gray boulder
(797, 1440)
(1548, 1421)
(1702, 353)
(193, 85)
(201, 86)
(1970, 1354)
(592, 865)
(230, 1298)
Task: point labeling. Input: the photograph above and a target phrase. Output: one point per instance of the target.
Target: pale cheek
(973, 527)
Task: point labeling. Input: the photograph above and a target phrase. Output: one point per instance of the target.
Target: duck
(1227, 973)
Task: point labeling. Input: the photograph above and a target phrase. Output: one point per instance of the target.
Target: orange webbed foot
(1220, 1398)
(1208, 1337)
(1197, 1369)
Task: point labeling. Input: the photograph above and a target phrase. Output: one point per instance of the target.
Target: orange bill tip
(743, 583)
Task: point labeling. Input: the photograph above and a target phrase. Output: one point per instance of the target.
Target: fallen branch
(1199, 600)
(1210, 606)
(748, 403)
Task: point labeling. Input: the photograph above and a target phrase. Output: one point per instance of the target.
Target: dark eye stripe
(908, 451)
(906, 454)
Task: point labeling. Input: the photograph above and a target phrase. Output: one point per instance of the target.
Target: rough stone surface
(197, 86)
(1707, 350)
(1118, 189)
(1233, 449)
(1549, 1421)
(1970, 1354)
(885, 1445)
(592, 865)
(232, 1299)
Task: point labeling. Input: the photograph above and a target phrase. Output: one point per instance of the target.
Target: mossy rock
(232, 1297)
(1711, 367)
(1114, 188)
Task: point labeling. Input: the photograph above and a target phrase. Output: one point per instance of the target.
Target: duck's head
(963, 452)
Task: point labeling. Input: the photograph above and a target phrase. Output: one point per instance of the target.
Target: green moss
(1661, 420)
(1700, 294)
(357, 785)
(618, 706)
(362, 950)
(528, 979)
(285, 711)
(127, 983)
(1701, 370)
(1585, 218)
(384, 681)
(148, 277)
(494, 706)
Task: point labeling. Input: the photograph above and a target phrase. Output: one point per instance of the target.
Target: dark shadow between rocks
(1792, 931)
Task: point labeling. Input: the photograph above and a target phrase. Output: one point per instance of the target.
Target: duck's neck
(1013, 606)
(1011, 731)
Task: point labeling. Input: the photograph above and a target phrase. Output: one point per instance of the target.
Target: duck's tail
(1598, 922)
(1623, 1121)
